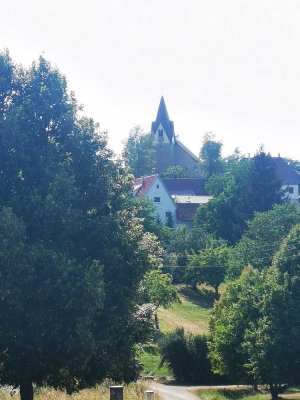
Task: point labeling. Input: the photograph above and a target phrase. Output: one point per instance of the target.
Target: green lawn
(150, 359)
(242, 393)
(192, 313)
(231, 394)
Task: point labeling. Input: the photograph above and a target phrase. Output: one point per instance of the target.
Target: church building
(169, 150)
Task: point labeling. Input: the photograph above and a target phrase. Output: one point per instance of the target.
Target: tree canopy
(139, 153)
(249, 185)
(255, 324)
(263, 237)
(72, 252)
(210, 156)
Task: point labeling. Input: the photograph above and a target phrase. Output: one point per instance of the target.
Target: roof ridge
(187, 150)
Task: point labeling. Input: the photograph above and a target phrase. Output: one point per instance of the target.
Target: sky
(231, 67)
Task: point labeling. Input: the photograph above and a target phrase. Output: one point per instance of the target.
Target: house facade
(154, 189)
(188, 194)
(289, 178)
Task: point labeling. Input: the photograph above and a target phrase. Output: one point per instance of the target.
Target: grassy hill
(192, 314)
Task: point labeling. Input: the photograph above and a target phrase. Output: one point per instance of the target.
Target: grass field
(231, 394)
(150, 359)
(192, 313)
(243, 394)
(134, 391)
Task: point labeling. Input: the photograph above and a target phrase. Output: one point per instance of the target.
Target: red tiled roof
(186, 186)
(143, 184)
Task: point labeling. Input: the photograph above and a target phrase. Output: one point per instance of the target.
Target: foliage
(159, 291)
(133, 391)
(294, 164)
(139, 153)
(237, 393)
(263, 237)
(150, 360)
(179, 243)
(208, 266)
(175, 171)
(186, 356)
(72, 253)
(255, 325)
(230, 318)
(210, 156)
(250, 185)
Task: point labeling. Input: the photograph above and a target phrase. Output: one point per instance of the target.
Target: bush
(186, 356)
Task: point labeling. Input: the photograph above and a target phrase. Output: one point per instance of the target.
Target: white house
(289, 178)
(154, 189)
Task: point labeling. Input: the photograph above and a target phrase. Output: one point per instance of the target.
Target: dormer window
(290, 189)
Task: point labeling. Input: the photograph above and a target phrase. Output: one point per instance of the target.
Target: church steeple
(163, 128)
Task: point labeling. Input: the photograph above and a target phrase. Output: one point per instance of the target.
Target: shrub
(186, 356)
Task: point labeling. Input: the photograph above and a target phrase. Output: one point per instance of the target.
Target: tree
(210, 156)
(139, 153)
(72, 252)
(255, 325)
(186, 356)
(263, 237)
(175, 171)
(208, 266)
(250, 185)
(272, 341)
(159, 291)
(231, 316)
(294, 164)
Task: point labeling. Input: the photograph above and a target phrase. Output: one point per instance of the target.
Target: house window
(168, 214)
(290, 190)
(157, 186)
(156, 199)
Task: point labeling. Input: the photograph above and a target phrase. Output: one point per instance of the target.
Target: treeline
(248, 238)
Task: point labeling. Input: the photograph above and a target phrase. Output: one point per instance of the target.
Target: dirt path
(173, 392)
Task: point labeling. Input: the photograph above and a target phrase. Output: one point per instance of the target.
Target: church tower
(164, 138)
(169, 150)
(163, 128)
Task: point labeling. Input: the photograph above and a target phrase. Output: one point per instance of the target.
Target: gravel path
(173, 392)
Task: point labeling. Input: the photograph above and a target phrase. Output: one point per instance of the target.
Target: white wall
(166, 203)
(294, 197)
(165, 137)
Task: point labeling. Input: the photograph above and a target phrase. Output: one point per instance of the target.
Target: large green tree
(72, 252)
(249, 185)
(208, 266)
(263, 237)
(210, 156)
(139, 153)
(255, 325)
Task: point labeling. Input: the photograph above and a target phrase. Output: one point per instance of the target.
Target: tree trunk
(217, 294)
(274, 392)
(156, 320)
(26, 391)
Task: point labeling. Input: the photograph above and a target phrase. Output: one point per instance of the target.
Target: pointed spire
(163, 119)
(162, 112)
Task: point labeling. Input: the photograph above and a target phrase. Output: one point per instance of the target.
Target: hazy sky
(227, 66)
